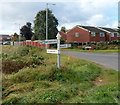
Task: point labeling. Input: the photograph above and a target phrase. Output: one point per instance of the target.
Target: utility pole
(47, 22)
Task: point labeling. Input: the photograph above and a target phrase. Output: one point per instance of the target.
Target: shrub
(3, 55)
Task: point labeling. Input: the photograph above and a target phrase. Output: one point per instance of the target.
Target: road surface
(109, 60)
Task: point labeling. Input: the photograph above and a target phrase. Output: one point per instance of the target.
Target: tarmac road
(109, 60)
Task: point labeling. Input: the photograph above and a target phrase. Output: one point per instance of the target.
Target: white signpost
(65, 45)
(58, 47)
(52, 51)
(53, 41)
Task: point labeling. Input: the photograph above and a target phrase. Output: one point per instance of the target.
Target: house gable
(78, 27)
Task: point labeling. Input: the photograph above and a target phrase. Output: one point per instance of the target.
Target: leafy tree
(15, 37)
(119, 37)
(63, 29)
(62, 40)
(22, 38)
(26, 31)
(33, 37)
(40, 25)
(118, 29)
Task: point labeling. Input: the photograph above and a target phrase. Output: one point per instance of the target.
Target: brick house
(63, 35)
(85, 34)
(112, 34)
(4, 38)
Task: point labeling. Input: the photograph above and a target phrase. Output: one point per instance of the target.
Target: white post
(58, 48)
(46, 23)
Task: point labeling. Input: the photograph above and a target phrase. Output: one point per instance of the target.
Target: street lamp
(47, 21)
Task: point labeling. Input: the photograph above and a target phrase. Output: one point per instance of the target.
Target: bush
(3, 55)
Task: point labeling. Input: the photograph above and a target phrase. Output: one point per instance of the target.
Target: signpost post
(58, 48)
(54, 51)
(53, 41)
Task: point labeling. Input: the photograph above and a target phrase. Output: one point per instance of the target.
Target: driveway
(109, 60)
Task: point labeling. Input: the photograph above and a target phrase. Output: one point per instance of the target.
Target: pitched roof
(93, 29)
(63, 35)
(109, 29)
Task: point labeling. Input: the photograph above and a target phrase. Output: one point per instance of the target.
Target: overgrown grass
(22, 57)
(75, 82)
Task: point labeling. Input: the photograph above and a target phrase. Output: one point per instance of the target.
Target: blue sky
(69, 13)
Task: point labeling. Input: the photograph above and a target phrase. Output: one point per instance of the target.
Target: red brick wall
(108, 38)
(83, 35)
(97, 38)
(115, 37)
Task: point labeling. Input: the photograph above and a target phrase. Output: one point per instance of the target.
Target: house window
(93, 33)
(102, 34)
(118, 34)
(112, 34)
(76, 34)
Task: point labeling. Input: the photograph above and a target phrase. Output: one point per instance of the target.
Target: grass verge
(101, 51)
(77, 81)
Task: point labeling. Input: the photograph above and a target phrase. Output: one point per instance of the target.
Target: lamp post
(47, 21)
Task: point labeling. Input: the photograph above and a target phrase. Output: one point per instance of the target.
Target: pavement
(109, 60)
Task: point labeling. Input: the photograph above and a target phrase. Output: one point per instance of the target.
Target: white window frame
(93, 34)
(118, 34)
(76, 34)
(112, 34)
(103, 34)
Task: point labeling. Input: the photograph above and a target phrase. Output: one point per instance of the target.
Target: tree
(119, 35)
(33, 37)
(15, 37)
(22, 38)
(63, 29)
(40, 25)
(62, 40)
(26, 31)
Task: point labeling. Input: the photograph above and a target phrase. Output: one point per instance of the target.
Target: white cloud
(69, 25)
(113, 24)
(96, 20)
(69, 14)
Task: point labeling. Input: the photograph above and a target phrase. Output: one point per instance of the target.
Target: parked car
(87, 48)
(5, 43)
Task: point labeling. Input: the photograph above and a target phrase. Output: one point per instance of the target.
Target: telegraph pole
(46, 23)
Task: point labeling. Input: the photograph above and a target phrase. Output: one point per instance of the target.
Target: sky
(15, 13)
